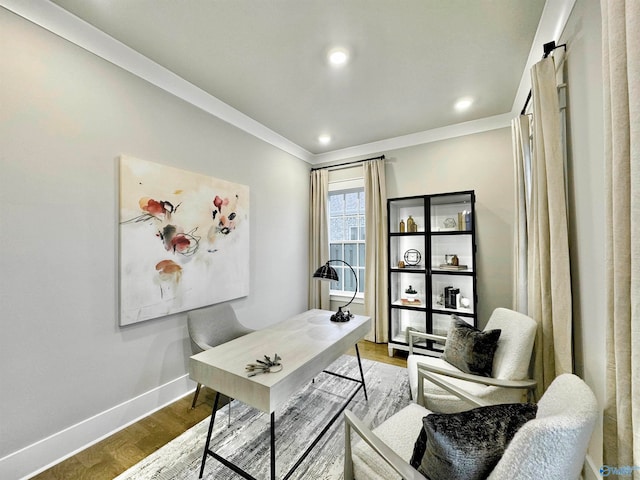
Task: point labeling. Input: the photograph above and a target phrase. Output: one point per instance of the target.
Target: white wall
(480, 162)
(583, 70)
(66, 116)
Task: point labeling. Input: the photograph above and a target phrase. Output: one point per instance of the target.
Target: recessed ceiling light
(324, 139)
(463, 104)
(338, 56)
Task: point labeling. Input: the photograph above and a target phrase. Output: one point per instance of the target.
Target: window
(347, 235)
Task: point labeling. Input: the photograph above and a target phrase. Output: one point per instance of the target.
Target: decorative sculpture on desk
(327, 272)
(264, 366)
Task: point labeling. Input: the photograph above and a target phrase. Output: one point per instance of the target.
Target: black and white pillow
(467, 445)
(469, 349)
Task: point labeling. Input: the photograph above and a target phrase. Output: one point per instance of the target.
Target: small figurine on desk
(264, 366)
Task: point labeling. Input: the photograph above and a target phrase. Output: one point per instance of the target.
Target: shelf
(448, 311)
(451, 232)
(408, 270)
(411, 234)
(437, 241)
(413, 305)
(438, 271)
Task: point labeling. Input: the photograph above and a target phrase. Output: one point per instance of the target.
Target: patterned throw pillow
(467, 445)
(469, 349)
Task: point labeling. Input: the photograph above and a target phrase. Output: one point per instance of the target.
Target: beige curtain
(375, 291)
(549, 279)
(621, 72)
(522, 169)
(318, 237)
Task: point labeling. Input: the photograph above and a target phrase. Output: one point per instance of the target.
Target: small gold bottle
(402, 225)
(411, 224)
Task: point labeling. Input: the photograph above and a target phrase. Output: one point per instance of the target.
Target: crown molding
(410, 140)
(71, 28)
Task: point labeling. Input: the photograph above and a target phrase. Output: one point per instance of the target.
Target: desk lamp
(327, 272)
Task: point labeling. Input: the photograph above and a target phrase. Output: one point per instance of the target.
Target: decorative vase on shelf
(401, 226)
(449, 223)
(411, 224)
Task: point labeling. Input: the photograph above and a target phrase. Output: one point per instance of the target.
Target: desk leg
(273, 445)
(206, 445)
(364, 387)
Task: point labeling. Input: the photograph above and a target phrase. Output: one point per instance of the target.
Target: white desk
(307, 344)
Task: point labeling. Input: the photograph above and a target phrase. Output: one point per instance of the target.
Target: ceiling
(410, 60)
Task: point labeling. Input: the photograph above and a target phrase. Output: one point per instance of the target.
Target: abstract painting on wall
(184, 240)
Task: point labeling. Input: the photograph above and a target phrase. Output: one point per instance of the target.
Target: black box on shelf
(451, 297)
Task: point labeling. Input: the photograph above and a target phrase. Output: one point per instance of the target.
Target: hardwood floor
(115, 454)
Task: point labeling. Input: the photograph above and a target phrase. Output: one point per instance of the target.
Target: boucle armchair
(550, 446)
(508, 381)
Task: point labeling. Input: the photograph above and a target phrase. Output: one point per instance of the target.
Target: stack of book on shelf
(446, 266)
(451, 297)
(410, 301)
(464, 220)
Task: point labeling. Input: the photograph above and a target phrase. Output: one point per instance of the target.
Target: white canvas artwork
(184, 240)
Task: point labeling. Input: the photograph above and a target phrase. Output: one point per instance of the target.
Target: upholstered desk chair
(508, 382)
(552, 445)
(210, 327)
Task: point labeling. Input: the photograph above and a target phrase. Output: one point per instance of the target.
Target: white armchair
(509, 380)
(550, 446)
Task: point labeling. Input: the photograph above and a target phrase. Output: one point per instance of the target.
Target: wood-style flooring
(115, 454)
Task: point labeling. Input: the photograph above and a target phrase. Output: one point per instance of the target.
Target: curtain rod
(381, 157)
(548, 48)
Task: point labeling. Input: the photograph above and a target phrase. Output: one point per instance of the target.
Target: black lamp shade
(326, 272)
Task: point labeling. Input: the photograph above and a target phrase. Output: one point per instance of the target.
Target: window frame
(347, 186)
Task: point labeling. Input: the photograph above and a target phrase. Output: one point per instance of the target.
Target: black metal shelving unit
(445, 226)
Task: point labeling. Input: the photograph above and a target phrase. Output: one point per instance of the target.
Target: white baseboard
(591, 471)
(43, 454)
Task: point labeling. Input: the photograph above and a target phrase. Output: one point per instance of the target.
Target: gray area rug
(246, 441)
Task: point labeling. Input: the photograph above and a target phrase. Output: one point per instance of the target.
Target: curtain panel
(318, 237)
(621, 78)
(375, 291)
(542, 266)
(522, 157)
(549, 285)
